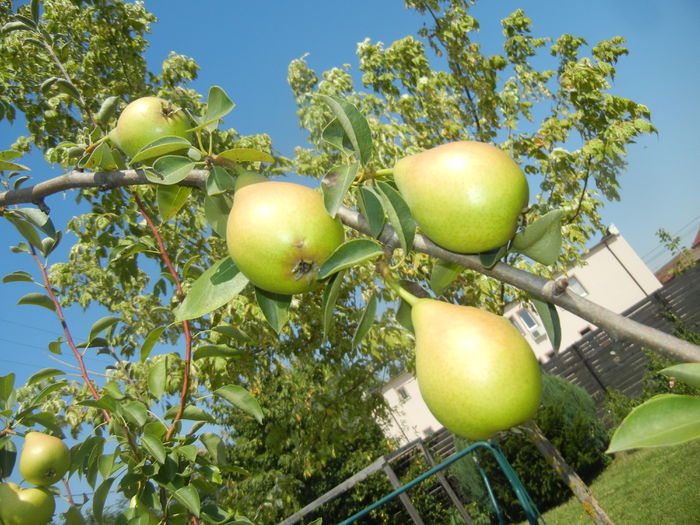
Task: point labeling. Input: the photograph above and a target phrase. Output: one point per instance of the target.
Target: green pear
(465, 196)
(32, 506)
(147, 119)
(44, 459)
(279, 234)
(476, 372)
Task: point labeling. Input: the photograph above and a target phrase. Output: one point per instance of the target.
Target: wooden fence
(597, 362)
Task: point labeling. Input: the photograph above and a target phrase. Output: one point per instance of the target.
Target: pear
(279, 234)
(44, 459)
(465, 196)
(476, 372)
(32, 506)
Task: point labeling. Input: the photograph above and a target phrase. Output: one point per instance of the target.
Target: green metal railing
(531, 513)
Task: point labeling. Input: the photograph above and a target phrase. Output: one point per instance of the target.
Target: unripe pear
(279, 234)
(466, 196)
(147, 119)
(44, 459)
(32, 506)
(476, 372)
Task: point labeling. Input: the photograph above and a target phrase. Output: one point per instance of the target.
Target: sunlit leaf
(366, 321)
(335, 186)
(240, 397)
(18, 276)
(216, 211)
(171, 199)
(157, 376)
(150, 341)
(550, 319)
(219, 181)
(372, 209)
(246, 155)
(354, 124)
(159, 147)
(442, 275)
(99, 498)
(154, 447)
(171, 169)
(399, 215)
(330, 296)
(106, 110)
(101, 325)
(38, 299)
(275, 308)
(189, 497)
(350, 253)
(689, 373)
(541, 240)
(44, 373)
(191, 413)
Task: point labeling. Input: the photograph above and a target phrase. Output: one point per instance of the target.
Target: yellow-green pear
(466, 196)
(32, 506)
(279, 234)
(44, 459)
(475, 371)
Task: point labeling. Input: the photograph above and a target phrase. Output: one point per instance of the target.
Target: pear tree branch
(553, 291)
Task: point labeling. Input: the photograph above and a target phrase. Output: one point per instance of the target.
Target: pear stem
(392, 283)
(376, 174)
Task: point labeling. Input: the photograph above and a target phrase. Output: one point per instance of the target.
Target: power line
(52, 332)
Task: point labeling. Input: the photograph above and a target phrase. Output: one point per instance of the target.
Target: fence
(596, 362)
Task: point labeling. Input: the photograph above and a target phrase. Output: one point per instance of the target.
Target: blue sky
(246, 48)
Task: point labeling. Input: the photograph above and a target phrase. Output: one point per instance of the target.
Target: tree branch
(617, 326)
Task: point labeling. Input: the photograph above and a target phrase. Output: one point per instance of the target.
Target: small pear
(44, 459)
(476, 372)
(32, 506)
(279, 234)
(466, 196)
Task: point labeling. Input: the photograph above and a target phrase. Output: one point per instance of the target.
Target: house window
(403, 395)
(531, 324)
(427, 431)
(516, 324)
(576, 286)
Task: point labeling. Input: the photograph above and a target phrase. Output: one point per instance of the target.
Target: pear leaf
(12, 166)
(18, 276)
(350, 253)
(550, 318)
(219, 104)
(689, 373)
(216, 211)
(354, 124)
(372, 209)
(45, 373)
(150, 341)
(443, 274)
(665, 419)
(189, 497)
(106, 110)
(99, 498)
(157, 377)
(170, 169)
(330, 296)
(160, 147)
(335, 135)
(541, 240)
(213, 289)
(403, 316)
(38, 299)
(275, 308)
(336, 184)
(10, 154)
(240, 397)
(8, 457)
(171, 199)
(399, 215)
(191, 413)
(246, 155)
(366, 321)
(489, 259)
(218, 351)
(219, 181)
(154, 447)
(101, 325)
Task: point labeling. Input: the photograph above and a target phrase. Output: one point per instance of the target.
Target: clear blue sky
(245, 47)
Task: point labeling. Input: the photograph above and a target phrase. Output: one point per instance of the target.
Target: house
(614, 276)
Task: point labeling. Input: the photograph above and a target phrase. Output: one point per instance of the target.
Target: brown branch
(69, 494)
(617, 326)
(567, 474)
(66, 331)
(184, 393)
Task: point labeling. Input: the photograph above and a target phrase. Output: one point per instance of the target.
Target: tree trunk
(566, 473)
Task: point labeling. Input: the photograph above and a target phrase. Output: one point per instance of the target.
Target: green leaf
(354, 124)
(171, 199)
(150, 341)
(157, 377)
(372, 209)
(232, 332)
(34, 8)
(663, 420)
(246, 155)
(16, 26)
(550, 318)
(191, 413)
(240, 397)
(99, 498)
(541, 240)
(443, 274)
(68, 88)
(135, 412)
(12, 166)
(403, 315)
(219, 181)
(335, 135)
(101, 325)
(218, 351)
(213, 289)
(366, 321)
(39, 219)
(26, 230)
(689, 373)
(44, 373)
(490, 258)
(55, 346)
(171, 169)
(18, 276)
(216, 211)
(10, 154)
(330, 296)
(275, 308)
(7, 386)
(8, 457)
(216, 448)
(106, 465)
(160, 147)
(101, 158)
(38, 299)
(46, 391)
(348, 254)
(154, 447)
(106, 110)
(399, 215)
(335, 185)
(189, 497)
